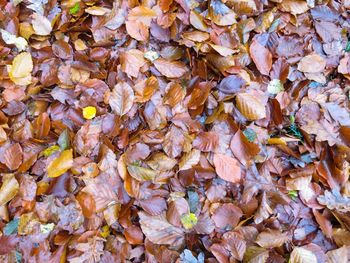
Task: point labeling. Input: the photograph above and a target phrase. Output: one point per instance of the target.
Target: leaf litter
(174, 131)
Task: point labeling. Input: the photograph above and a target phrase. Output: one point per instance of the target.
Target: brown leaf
(170, 69)
(137, 30)
(227, 168)
(250, 106)
(102, 193)
(261, 57)
(272, 238)
(243, 149)
(9, 188)
(175, 94)
(312, 64)
(227, 215)
(159, 231)
(13, 156)
(121, 98)
(131, 62)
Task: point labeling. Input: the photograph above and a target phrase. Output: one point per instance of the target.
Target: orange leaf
(227, 168)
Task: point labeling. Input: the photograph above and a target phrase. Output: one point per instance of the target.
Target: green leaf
(75, 9)
(293, 194)
(11, 227)
(347, 48)
(63, 140)
(189, 220)
(250, 134)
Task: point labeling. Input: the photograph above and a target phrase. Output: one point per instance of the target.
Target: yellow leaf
(8, 189)
(189, 220)
(105, 231)
(20, 71)
(49, 151)
(61, 164)
(89, 112)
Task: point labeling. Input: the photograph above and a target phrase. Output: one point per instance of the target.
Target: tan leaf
(137, 30)
(188, 160)
(255, 254)
(145, 89)
(223, 51)
(302, 255)
(9, 188)
(323, 130)
(250, 106)
(197, 21)
(97, 10)
(227, 168)
(272, 238)
(295, 7)
(42, 26)
(261, 56)
(102, 193)
(338, 255)
(170, 69)
(159, 231)
(235, 243)
(141, 173)
(122, 98)
(21, 68)
(197, 36)
(143, 14)
(161, 162)
(341, 237)
(175, 94)
(13, 156)
(313, 63)
(131, 61)
(61, 164)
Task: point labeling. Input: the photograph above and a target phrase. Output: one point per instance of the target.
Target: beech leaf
(60, 164)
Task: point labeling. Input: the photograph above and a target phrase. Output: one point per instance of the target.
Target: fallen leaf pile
(175, 131)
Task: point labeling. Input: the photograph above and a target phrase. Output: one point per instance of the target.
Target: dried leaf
(250, 106)
(272, 238)
(21, 68)
(190, 159)
(42, 26)
(227, 168)
(60, 164)
(13, 156)
(170, 69)
(159, 231)
(302, 255)
(9, 188)
(261, 57)
(121, 98)
(20, 43)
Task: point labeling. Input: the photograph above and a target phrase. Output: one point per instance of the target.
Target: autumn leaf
(89, 112)
(42, 26)
(21, 68)
(170, 69)
(121, 98)
(142, 14)
(189, 220)
(11, 39)
(141, 173)
(272, 238)
(312, 64)
(137, 30)
(302, 255)
(250, 106)
(261, 57)
(60, 164)
(9, 188)
(190, 159)
(227, 168)
(131, 61)
(13, 156)
(159, 231)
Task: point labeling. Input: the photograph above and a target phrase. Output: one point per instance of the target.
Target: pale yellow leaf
(41, 25)
(9, 188)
